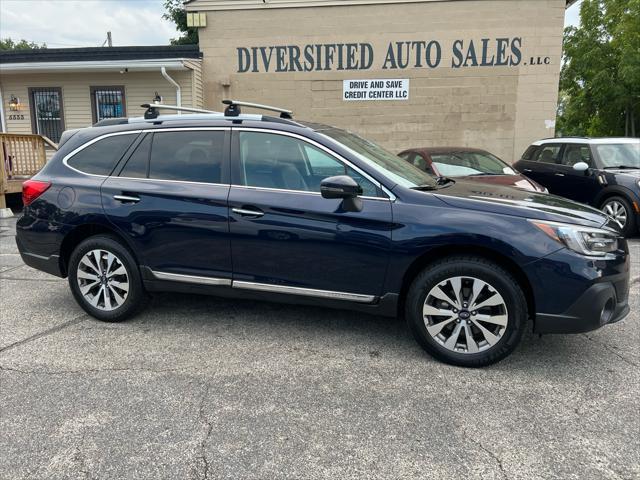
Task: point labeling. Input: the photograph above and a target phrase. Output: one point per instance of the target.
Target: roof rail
(233, 108)
(153, 110)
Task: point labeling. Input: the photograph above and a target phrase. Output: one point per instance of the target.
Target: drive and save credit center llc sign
(375, 89)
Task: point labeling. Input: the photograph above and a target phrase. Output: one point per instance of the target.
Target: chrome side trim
(308, 292)
(176, 277)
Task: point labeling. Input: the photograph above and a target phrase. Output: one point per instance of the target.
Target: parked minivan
(264, 207)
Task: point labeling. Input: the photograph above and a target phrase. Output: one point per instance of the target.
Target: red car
(470, 164)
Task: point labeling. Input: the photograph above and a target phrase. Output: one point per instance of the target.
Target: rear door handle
(245, 212)
(126, 198)
(559, 174)
(528, 170)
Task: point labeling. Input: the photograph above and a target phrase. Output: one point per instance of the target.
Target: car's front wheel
(466, 311)
(105, 279)
(619, 208)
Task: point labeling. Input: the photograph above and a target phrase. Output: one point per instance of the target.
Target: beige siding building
(49, 91)
(481, 73)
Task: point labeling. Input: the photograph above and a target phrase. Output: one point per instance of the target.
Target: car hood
(518, 181)
(518, 202)
(624, 171)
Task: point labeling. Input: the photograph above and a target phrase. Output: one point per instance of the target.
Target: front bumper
(596, 307)
(574, 294)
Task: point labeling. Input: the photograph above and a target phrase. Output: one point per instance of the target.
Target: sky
(84, 23)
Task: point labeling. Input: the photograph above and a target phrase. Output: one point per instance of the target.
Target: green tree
(178, 15)
(600, 77)
(8, 44)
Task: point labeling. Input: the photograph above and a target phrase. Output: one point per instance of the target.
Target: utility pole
(109, 39)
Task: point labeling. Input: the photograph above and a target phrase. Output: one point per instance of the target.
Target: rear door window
(548, 154)
(189, 156)
(138, 164)
(101, 157)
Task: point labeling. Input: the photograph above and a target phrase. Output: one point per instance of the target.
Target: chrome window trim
(307, 292)
(391, 196)
(177, 277)
(131, 132)
(303, 192)
(172, 181)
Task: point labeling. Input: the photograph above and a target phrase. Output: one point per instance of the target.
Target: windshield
(619, 155)
(458, 164)
(391, 166)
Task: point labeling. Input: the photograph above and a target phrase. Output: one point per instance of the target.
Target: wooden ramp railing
(22, 157)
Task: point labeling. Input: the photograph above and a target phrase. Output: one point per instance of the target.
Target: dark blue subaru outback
(263, 207)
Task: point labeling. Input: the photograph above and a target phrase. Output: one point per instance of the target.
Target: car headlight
(593, 242)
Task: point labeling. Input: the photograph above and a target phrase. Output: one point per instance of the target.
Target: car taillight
(32, 189)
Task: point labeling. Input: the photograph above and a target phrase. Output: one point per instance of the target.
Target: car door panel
(298, 238)
(581, 186)
(303, 240)
(175, 227)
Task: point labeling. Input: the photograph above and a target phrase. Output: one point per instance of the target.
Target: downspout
(175, 84)
(3, 126)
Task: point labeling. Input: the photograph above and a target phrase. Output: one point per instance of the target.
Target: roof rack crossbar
(153, 110)
(233, 108)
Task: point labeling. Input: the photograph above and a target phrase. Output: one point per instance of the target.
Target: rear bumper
(596, 307)
(49, 264)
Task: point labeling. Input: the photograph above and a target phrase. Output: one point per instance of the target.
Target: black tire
(486, 271)
(629, 228)
(135, 299)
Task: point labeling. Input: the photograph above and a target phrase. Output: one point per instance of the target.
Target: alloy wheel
(103, 280)
(465, 314)
(616, 210)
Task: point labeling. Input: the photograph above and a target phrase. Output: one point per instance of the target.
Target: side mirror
(344, 187)
(581, 167)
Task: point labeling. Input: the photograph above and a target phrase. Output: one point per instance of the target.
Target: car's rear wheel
(105, 279)
(466, 311)
(619, 208)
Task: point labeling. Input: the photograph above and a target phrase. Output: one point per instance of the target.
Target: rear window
(101, 157)
(529, 152)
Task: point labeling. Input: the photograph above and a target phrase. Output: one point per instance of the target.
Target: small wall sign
(375, 89)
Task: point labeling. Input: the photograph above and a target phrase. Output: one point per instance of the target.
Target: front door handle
(528, 170)
(559, 174)
(126, 198)
(248, 213)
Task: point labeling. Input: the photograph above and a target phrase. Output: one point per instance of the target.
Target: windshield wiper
(425, 188)
(622, 167)
(483, 174)
(442, 181)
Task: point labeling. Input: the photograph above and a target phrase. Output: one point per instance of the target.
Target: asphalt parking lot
(199, 387)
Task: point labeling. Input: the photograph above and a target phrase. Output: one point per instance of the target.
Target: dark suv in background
(262, 207)
(602, 172)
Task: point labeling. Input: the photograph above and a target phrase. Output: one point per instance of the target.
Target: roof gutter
(163, 70)
(95, 66)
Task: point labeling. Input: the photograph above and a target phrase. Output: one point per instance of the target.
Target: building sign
(377, 89)
(478, 53)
